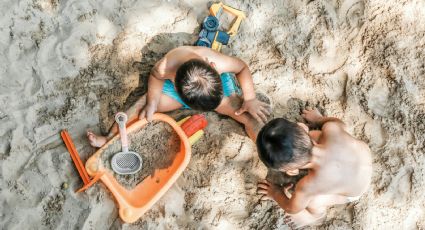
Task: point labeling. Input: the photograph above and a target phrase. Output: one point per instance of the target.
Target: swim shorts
(228, 82)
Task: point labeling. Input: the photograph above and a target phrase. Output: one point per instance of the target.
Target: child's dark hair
(283, 144)
(199, 85)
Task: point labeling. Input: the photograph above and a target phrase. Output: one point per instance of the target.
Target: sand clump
(157, 143)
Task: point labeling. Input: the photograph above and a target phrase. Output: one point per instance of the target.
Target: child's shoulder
(184, 48)
(331, 126)
(167, 65)
(199, 50)
(180, 52)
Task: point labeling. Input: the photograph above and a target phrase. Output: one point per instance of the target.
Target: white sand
(71, 64)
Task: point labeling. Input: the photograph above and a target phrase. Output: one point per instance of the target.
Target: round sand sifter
(125, 162)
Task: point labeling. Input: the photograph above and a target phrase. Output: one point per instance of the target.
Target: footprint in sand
(375, 133)
(334, 48)
(66, 51)
(332, 56)
(352, 11)
(400, 187)
(335, 86)
(378, 98)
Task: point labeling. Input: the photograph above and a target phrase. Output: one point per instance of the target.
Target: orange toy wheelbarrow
(134, 203)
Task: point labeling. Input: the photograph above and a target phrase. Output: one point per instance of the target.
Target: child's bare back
(339, 171)
(198, 78)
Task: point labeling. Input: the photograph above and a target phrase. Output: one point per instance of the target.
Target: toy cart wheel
(210, 23)
(203, 42)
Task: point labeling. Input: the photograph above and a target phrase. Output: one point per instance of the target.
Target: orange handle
(75, 157)
(94, 180)
(194, 124)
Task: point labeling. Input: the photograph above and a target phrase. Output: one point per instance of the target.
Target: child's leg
(315, 211)
(132, 113)
(229, 105)
(166, 104)
(303, 218)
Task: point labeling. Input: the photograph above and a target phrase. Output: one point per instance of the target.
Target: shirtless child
(339, 166)
(193, 77)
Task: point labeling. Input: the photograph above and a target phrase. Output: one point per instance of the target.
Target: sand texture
(74, 64)
(156, 143)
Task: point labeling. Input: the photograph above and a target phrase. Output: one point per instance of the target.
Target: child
(193, 77)
(339, 166)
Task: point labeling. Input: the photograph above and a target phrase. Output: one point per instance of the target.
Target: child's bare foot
(301, 219)
(96, 141)
(312, 116)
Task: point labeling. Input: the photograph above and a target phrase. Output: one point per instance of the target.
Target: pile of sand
(157, 144)
(74, 64)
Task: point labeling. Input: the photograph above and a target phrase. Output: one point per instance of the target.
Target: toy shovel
(125, 162)
(78, 163)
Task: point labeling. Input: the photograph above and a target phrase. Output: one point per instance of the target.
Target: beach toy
(193, 124)
(125, 162)
(78, 163)
(210, 36)
(134, 203)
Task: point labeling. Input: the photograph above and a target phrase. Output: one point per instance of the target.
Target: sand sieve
(125, 162)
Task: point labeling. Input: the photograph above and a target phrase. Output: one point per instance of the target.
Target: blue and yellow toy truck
(210, 35)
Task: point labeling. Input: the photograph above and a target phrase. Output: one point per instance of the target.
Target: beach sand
(74, 64)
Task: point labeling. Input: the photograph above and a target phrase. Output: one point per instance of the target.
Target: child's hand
(148, 111)
(258, 109)
(312, 116)
(269, 190)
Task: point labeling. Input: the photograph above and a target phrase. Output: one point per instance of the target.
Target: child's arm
(293, 203)
(315, 118)
(242, 72)
(298, 201)
(259, 110)
(155, 85)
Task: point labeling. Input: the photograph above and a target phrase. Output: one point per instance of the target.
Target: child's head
(284, 145)
(199, 85)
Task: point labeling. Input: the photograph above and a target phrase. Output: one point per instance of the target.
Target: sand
(156, 143)
(74, 64)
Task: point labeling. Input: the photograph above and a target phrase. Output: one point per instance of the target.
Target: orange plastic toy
(134, 203)
(77, 162)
